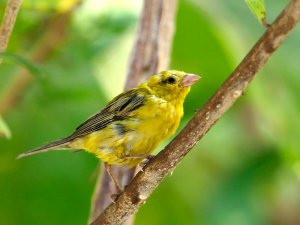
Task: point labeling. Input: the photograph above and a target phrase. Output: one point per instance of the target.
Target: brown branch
(150, 54)
(152, 48)
(8, 22)
(144, 183)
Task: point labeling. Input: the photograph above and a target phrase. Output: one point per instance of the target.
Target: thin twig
(8, 22)
(144, 183)
(150, 54)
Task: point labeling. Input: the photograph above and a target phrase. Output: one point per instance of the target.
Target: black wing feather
(118, 109)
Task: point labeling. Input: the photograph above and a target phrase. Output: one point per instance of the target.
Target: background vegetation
(245, 171)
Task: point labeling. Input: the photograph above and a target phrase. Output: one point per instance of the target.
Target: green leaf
(257, 7)
(4, 130)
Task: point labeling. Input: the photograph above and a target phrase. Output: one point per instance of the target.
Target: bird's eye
(171, 80)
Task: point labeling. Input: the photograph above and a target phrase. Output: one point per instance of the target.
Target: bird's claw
(114, 197)
(145, 162)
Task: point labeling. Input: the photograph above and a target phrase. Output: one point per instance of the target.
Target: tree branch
(150, 54)
(144, 183)
(8, 22)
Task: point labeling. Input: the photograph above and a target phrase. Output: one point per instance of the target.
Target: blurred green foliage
(245, 171)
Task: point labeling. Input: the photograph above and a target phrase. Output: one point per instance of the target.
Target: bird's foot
(145, 161)
(114, 197)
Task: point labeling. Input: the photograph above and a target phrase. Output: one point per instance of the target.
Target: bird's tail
(61, 144)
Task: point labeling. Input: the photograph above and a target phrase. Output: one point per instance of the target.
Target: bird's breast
(159, 118)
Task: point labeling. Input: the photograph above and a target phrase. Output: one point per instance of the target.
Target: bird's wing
(118, 109)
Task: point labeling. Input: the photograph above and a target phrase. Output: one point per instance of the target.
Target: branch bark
(150, 54)
(8, 22)
(144, 183)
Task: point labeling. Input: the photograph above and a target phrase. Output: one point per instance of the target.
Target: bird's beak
(189, 79)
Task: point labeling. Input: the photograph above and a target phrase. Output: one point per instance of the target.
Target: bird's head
(171, 84)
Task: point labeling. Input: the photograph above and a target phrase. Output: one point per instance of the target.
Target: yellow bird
(131, 126)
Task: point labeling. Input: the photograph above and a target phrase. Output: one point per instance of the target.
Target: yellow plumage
(129, 128)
